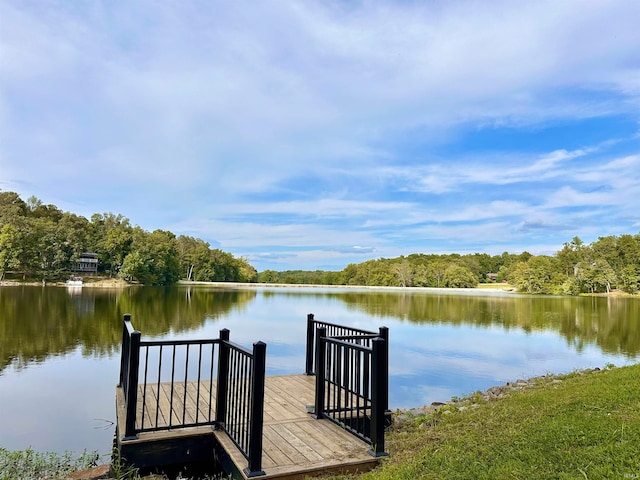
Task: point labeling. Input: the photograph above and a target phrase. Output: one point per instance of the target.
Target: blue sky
(313, 134)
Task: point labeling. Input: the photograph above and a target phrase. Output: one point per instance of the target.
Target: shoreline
(105, 283)
(116, 283)
(350, 287)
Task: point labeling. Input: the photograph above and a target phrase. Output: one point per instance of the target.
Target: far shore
(496, 288)
(483, 287)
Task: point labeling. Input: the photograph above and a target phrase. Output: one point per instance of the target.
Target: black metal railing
(352, 387)
(240, 400)
(188, 383)
(359, 335)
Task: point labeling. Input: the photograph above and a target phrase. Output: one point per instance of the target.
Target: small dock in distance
(190, 420)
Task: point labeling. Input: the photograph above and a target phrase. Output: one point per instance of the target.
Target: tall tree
(153, 259)
(193, 254)
(112, 240)
(10, 248)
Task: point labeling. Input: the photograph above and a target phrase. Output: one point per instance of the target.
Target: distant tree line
(39, 241)
(608, 263)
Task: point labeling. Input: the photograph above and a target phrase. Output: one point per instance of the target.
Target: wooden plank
(285, 453)
(198, 403)
(290, 390)
(286, 399)
(166, 405)
(181, 405)
(159, 417)
(320, 445)
(295, 445)
(271, 450)
(292, 441)
(148, 401)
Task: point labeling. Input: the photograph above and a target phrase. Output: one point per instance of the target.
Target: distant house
(87, 263)
(492, 277)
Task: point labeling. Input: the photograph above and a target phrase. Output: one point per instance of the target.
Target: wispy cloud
(291, 131)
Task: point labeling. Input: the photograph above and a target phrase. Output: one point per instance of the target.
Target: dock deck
(295, 444)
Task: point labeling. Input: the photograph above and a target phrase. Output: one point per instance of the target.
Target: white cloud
(262, 124)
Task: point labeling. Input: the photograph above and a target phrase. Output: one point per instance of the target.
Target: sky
(313, 134)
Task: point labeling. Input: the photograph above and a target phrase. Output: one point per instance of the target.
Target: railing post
(124, 351)
(223, 377)
(321, 333)
(257, 410)
(131, 393)
(384, 334)
(310, 353)
(378, 394)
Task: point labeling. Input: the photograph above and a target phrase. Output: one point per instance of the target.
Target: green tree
(153, 259)
(597, 276)
(404, 273)
(459, 276)
(193, 255)
(112, 240)
(44, 255)
(10, 248)
(629, 250)
(535, 275)
(436, 271)
(11, 207)
(570, 256)
(74, 232)
(269, 276)
(630, 278)
(246, 272)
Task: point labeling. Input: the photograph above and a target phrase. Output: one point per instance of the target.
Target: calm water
(59, 348)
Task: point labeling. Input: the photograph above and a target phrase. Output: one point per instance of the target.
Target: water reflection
(59, 348)
(39, 322)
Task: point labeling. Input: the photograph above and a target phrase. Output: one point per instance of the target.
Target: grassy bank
(578, 426)
(585, 425)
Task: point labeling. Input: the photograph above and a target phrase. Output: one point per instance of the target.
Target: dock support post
(310, 353)
(223, 378)
(257, 410)
(321, 365)
(131, 390)
(379, 393)
(124, 351)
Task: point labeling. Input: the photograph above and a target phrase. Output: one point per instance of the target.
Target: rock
(94, 473)
(491, 394)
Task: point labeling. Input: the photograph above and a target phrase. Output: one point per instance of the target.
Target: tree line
(41, 242)
(611, 262)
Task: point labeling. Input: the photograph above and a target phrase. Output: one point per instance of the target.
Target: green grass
(586, 426)
(31, 465)
(576, 426)
(28, 464)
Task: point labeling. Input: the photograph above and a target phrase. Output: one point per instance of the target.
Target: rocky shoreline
(403, 416)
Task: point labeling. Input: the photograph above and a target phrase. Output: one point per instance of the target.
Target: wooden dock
(295, 444)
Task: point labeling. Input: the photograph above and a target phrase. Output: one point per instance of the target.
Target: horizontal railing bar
(239, 348)
(177, 343)
(351, 430)
(348, 391)
(355, 337)
(347, 409)
(129, 327)
(353, 329)
(353, 346)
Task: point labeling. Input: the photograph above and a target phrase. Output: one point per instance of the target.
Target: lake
(60, 347)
